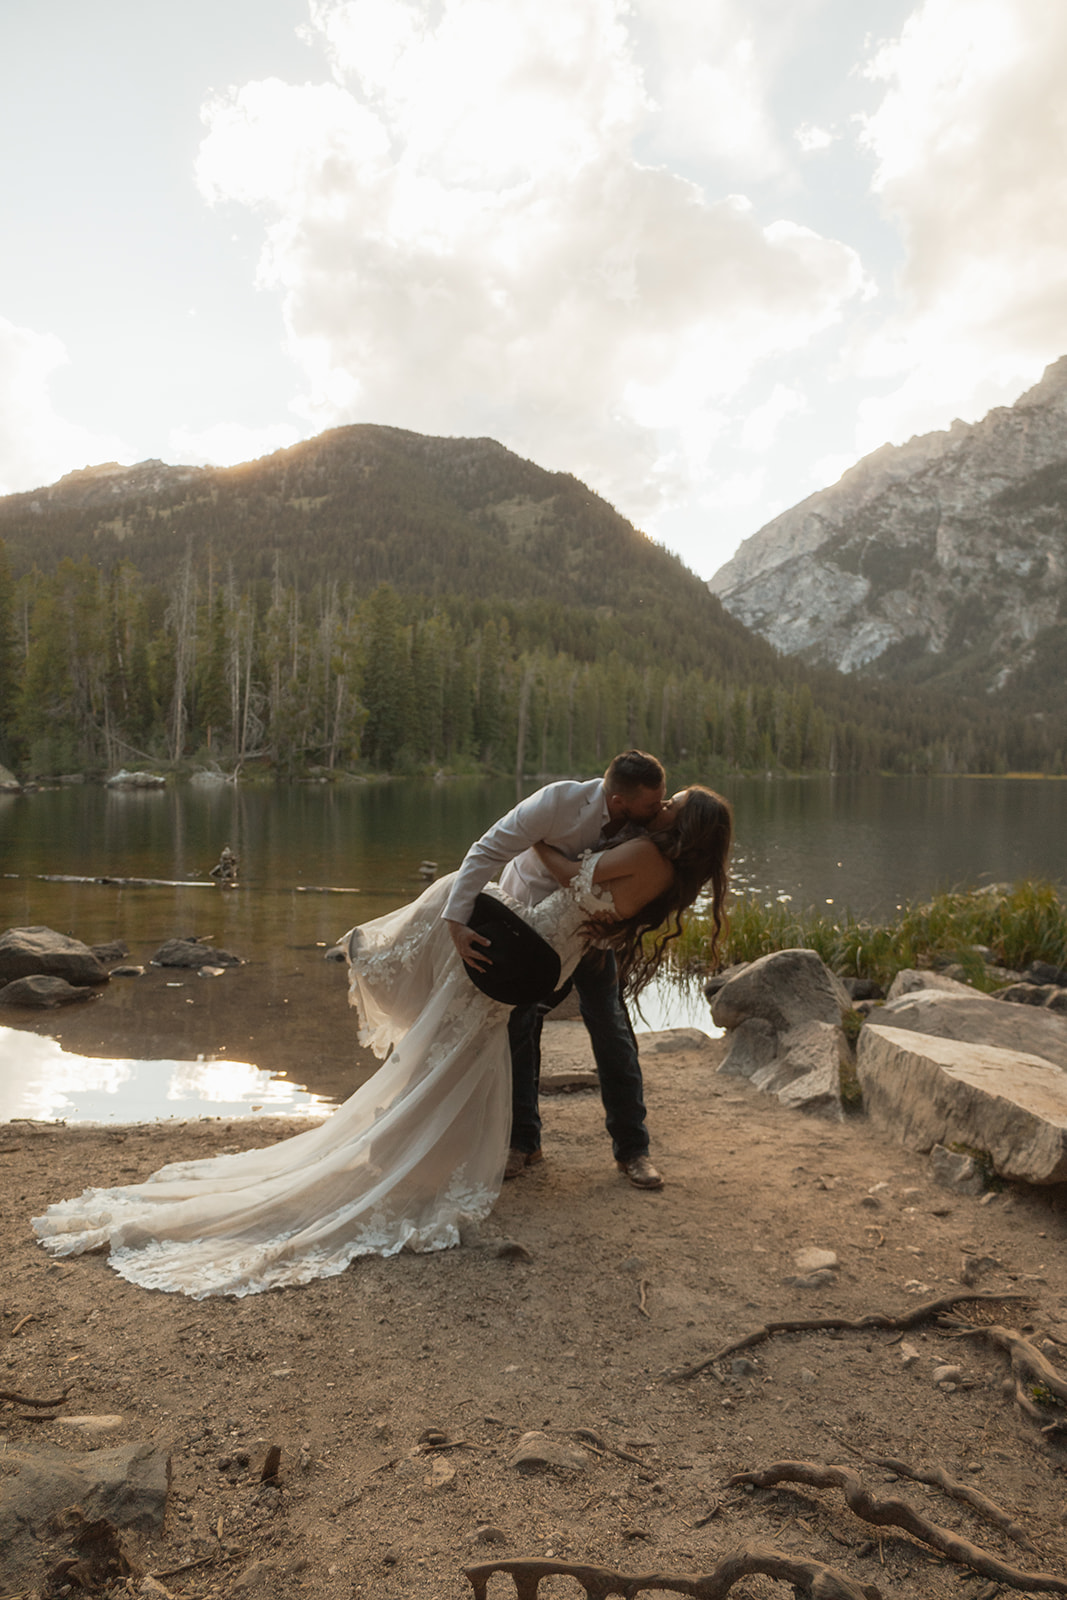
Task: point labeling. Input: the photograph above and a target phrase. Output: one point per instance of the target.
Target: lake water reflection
(314, 859)
(42, 1081)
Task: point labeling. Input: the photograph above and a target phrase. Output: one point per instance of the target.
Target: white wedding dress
(403, 1164)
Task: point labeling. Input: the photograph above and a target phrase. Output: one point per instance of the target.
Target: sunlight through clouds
(466, 242)
(38, 444)
(611, 234)
(710, 75)
(228, 444)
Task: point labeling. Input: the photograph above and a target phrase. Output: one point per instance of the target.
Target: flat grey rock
(979, 1019)
(189, 953)
(913, 980)
(924, 1090)
(670, 1040)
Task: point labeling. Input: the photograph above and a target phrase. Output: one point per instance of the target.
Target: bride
(418, 1150)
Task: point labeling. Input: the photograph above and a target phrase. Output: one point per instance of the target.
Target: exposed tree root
(1026, 1360)
(938, 1478)
(874, 1319)
(897, 1513)
(26, 1400)
(810, 1578)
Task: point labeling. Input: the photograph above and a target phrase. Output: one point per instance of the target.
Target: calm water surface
(316, 859)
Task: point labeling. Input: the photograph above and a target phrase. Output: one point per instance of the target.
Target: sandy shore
(565, 1315)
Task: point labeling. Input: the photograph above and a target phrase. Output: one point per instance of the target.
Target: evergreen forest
(377, 601)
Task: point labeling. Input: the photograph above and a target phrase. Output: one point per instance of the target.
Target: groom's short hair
(633, 769)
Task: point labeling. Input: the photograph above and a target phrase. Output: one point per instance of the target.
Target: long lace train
(411, 1157)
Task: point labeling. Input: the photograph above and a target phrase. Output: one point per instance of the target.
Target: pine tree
(9, 665)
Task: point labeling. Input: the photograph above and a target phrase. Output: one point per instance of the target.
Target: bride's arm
(634, 872)
(562, 868)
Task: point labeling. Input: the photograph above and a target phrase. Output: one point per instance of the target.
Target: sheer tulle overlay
(411, 1156)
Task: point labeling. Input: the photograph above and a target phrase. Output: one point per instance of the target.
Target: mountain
(367, 505)
(942, 561)
(379, 596)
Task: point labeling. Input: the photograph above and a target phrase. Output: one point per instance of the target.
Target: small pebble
(510, 1250)
(814, 1260)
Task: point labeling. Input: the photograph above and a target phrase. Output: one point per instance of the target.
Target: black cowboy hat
(524, 969)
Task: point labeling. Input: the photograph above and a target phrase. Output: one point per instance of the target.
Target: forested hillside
(378, 599)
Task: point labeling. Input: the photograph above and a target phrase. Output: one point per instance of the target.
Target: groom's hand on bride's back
(467, 942)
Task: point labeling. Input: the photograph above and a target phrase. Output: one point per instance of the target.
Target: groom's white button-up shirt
(568, 815)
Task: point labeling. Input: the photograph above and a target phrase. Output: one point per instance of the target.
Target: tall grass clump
(1018, 924)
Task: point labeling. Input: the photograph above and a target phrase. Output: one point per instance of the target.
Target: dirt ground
(399, 1392)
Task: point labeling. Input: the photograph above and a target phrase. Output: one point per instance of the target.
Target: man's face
(638, 805)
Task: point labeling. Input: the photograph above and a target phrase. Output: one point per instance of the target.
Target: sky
(703, 254)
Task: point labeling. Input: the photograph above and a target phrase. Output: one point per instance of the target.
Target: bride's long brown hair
(697, 844)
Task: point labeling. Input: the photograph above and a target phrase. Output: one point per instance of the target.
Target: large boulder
(975, 1018)
(926, 1091)
(783, 1014)
(785, 988)
(127, 1485)
(25, 952)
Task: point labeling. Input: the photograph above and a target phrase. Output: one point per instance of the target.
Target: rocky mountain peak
(111, 481)
(940, 560)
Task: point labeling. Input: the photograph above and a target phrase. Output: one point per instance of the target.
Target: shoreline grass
(1000, 925)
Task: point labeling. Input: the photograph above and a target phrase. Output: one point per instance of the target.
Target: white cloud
(227, 444)
(465, 243)
(710, 75)
(811, 139)
(37, 444)
(760, 427)
(971, 147)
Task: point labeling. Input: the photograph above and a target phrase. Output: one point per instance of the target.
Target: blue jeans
(614, 1051)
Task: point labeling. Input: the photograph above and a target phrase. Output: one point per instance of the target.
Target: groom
(573, 817)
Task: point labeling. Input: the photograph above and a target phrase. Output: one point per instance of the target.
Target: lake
(316, 858)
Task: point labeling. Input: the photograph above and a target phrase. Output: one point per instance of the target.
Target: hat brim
(524, 967)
